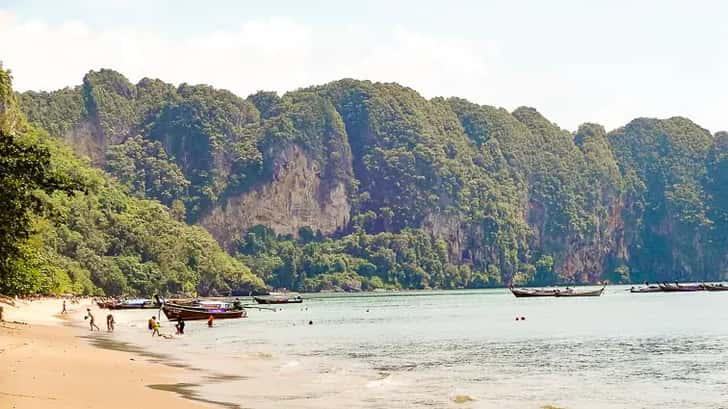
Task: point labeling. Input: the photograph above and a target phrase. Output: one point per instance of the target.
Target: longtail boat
(278, 299)
(203, 309)
(134, 304)
(681, 287)
(646, 289)
(568, 292)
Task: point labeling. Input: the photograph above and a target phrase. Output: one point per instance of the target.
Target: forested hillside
(69, 228)
(354, 184)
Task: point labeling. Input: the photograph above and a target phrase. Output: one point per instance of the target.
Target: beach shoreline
(46, 362)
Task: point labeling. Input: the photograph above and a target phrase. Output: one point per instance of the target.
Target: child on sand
(157, 325)
(210, 320)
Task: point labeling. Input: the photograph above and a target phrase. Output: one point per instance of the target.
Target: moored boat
(715, 287)
(135, 304)
(556, 292)
(681, 287)
(646, 289)
(278, 299)
(105, 303)
(201, 310)
(174, 312)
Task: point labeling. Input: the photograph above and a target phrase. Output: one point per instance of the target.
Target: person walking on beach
(92, 320)
(210, 321)
(110, 323)
(64, 307)
(180, 326)
(150, 323)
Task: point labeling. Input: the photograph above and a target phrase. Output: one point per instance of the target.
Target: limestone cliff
(296, 197)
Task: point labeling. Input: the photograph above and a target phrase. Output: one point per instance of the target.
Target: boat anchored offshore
(678, 288)
(278, 299)
(556, 292)
(681, 287)
(648, 288)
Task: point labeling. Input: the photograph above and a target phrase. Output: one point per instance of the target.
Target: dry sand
(46, 364)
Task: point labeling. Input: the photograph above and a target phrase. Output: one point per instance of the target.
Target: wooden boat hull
(711, 287)
(190, 313)
(263, 300)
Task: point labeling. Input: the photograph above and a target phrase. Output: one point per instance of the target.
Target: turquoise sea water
(458, 349)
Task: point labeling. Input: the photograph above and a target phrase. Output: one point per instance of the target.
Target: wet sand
(47, 364)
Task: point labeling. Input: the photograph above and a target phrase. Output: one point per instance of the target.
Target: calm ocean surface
(460, 349)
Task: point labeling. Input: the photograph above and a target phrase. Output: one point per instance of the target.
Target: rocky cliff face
(664, 165)
(295, 198)
(502, 189)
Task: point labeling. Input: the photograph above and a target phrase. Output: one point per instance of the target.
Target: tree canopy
(66, 227)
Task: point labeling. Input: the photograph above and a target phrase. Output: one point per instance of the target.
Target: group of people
(92, 320)
(154, 326)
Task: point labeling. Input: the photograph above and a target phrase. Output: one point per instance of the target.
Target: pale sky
(575, 61)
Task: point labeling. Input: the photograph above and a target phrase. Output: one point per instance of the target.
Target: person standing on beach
(151, 322)
(180, 326)
(110, 323)
(210, 320)
(64, 307)
(157, 325)
(92, 320)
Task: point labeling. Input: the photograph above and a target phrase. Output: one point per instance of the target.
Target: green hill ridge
(361, 185)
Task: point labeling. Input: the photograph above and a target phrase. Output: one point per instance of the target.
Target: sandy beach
(46, 364)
